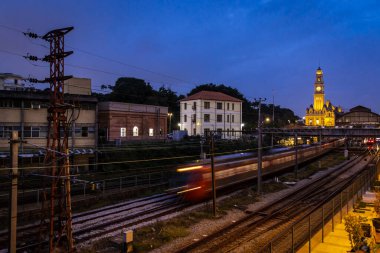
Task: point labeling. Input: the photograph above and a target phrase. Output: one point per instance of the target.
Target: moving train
(197, 177)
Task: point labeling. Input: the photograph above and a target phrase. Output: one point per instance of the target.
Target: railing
(80, 187)
(306, 233)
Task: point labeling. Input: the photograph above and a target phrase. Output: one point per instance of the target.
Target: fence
(80, 187)
(311, 229)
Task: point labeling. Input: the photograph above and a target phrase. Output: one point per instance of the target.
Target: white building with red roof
(211, 111)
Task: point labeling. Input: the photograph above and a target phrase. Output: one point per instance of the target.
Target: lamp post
(259, 154)
(170, 121)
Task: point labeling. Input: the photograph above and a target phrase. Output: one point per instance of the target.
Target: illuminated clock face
(318, 88)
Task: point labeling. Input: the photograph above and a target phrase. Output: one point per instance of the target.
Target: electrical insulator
(31, 35)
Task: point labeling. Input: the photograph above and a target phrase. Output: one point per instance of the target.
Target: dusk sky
(255, 46)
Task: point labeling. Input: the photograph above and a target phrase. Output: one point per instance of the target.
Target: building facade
(120, 122)
(321, 112)
(359, 116)
(211, 111)
(26, 111)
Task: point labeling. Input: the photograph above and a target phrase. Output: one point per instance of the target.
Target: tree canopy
(134, 90)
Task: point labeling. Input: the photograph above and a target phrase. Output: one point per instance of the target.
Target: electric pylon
(56, 219)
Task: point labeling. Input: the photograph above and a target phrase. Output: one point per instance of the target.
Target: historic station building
(321, 113)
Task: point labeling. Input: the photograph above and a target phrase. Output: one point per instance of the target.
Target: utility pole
(14, 142)
(213, 175)
(170, 121)
(296, 156)
(272, 116)
(259, 146)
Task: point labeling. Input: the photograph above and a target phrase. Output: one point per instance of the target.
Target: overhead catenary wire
(127, 161)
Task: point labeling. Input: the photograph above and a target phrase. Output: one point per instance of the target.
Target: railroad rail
(95, 223)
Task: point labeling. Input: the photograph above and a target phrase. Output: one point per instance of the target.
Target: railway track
(96, 223)
(259, 227)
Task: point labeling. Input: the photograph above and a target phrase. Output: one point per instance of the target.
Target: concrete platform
(337, 241)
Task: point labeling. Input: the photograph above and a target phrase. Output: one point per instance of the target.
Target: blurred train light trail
(188, 190)
(189, 168)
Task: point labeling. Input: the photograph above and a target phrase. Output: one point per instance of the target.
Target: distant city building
(209, 110)
(321, 113)
(120, 122)
(9, 81)
(359, 116)
(25, 111)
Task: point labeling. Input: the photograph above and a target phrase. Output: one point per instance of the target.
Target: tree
(355, 232)
(132, 90)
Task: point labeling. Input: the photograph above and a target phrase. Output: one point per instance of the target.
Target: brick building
(120, 122)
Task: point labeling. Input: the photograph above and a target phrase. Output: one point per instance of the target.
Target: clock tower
(319, 90)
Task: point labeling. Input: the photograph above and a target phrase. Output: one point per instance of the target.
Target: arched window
(135, 131)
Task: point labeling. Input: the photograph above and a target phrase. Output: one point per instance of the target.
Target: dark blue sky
(254, 46)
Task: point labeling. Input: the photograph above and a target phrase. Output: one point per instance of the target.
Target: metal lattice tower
(56, 219)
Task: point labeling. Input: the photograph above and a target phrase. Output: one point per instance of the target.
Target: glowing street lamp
(179, 124)
(170, 121)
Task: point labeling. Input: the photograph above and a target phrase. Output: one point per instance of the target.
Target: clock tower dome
(319, 90)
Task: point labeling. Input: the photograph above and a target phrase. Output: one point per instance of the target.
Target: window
(184, 118)
(185, 106)
(206, 131)
(135, 131)
(194, 106)
(228, 106)
(84, 131)
(31, 132)
(233, 106)
(232, 118)
(219, 118)
(193, 118)
(123, 132)
(233, 132)
(219, 106)
(207, 105)
(206, 118)
(150, 131)
(228, 118)
(228, 132)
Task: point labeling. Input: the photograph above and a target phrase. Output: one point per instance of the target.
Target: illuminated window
(123, 132)
(150, 131)
(135, 131)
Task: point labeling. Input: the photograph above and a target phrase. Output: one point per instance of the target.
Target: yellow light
(192, 189)
(190, 168)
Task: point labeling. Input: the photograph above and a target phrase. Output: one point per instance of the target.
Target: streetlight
(170, 121)
(179, 125)
(259, 155)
